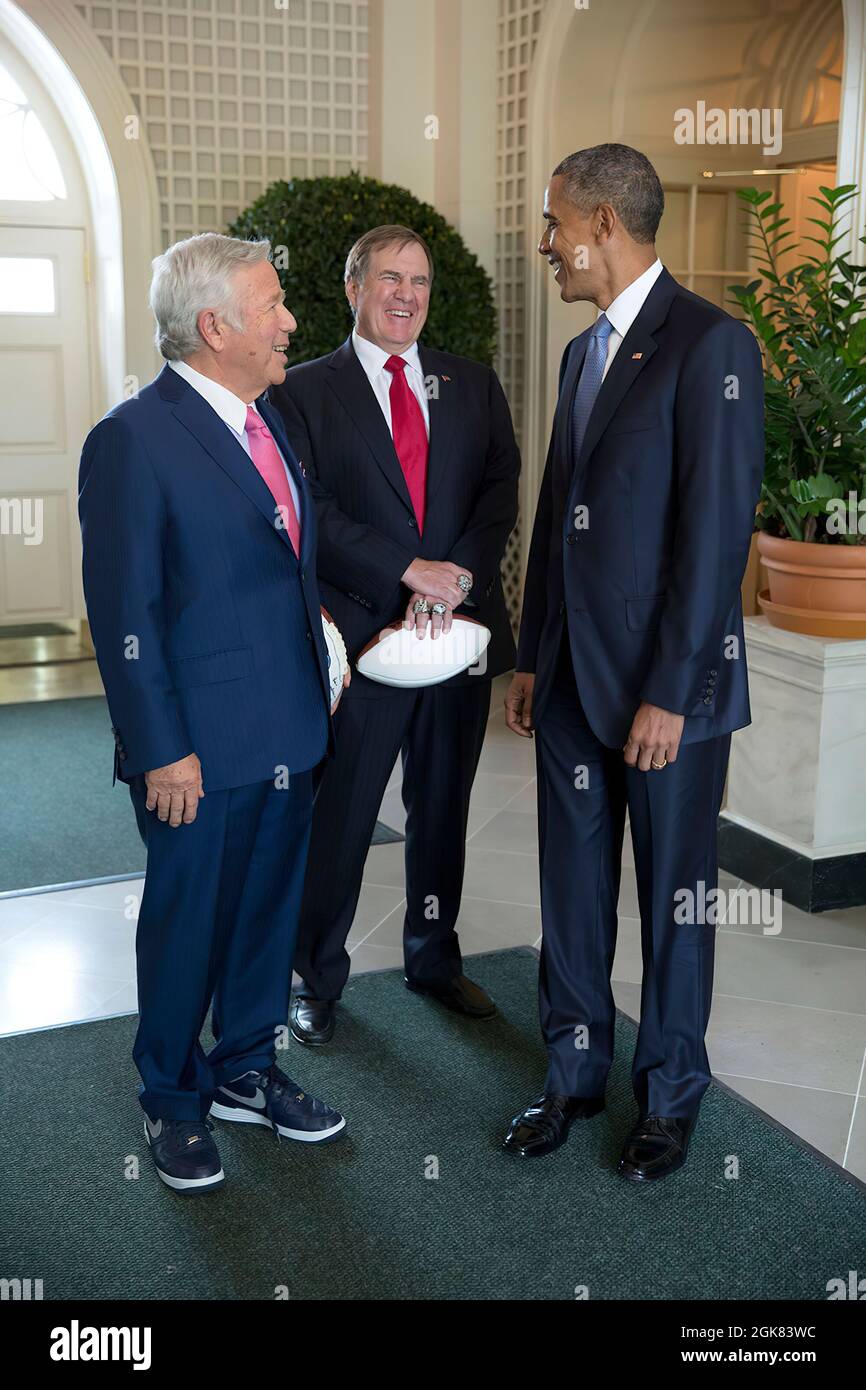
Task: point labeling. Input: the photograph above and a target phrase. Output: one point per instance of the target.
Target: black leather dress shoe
(544, 1124)
(313, 1020)
(460, 995)
(656, 1147)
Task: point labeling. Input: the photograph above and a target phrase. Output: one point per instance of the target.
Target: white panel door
(44, 417)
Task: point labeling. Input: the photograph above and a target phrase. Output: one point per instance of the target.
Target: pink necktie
(266, 457)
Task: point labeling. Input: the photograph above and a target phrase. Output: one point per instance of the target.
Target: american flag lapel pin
(636, 356)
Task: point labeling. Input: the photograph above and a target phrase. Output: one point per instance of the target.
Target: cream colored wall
(438, 59)
(408, 94)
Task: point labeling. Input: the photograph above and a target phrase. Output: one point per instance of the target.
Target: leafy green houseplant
(312, 224)
(808, 315)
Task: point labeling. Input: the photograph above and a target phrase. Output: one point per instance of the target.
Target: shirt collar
(373, 358)
(229, 407)
(622, 311)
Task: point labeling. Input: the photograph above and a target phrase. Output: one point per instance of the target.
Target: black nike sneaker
(271, 1098)
(185, 1155)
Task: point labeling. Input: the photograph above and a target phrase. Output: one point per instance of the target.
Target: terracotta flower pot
(817, 589)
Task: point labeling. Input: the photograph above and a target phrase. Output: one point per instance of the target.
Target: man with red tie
(412, 463)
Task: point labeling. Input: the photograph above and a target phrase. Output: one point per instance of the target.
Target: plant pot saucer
(813, 621)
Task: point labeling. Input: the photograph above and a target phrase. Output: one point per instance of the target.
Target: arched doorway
(99, 239)
(46, 386)
(657, 56)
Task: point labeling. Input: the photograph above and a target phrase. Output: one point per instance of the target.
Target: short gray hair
(391, 234)
(621, 176)
(193, 275)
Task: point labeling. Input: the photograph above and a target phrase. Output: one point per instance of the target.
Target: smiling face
(250, 359)
(392, 302)
(572, 242)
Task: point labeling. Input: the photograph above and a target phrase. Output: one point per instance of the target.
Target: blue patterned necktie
(590, 381)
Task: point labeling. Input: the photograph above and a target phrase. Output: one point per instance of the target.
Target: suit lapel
(349, 382)
(214, 435)
(622, 373)
(442, 399)
(562, 415)
(633, 353)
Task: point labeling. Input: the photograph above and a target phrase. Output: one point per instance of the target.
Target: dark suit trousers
(672, 813)
(439, 732)
(217, 924)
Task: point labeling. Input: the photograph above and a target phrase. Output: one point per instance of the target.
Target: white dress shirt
(373, 359)
(622, 311)
(232, 411)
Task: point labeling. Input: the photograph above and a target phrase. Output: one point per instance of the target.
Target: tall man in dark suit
(412, 462)
(200, 575)
(631, 666)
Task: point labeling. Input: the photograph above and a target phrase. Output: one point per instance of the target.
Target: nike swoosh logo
(256, 1102)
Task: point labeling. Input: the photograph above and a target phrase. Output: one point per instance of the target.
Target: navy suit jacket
(206, 624)
(368, 534)
(648, 576)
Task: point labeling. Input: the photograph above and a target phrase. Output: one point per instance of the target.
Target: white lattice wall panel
(234, 94)
(519, 23)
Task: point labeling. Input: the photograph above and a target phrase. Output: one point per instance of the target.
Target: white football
(338, 661)
(399, 657)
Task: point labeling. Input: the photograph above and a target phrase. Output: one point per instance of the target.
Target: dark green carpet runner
(61, 820)
(425, 1093)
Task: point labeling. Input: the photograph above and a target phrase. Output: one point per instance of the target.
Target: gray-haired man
(200, 576)
(413, 467)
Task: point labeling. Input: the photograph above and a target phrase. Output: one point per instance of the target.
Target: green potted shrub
(312, 223)
(809, 320)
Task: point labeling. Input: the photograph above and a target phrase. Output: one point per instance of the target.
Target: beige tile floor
(788, 1028)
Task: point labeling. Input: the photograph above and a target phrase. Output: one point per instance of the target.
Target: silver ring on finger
(421, 606)
(439, 608)
(464, 583)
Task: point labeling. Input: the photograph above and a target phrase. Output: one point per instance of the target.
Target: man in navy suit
(630, 665)
(413, 467)
(199, 542)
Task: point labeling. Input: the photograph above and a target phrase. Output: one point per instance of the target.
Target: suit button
(569, 540)
(714, 673)
(303, 574)
(412, 522)
(309, 637)
(121, 755)
(561, 609)
(711, 680)
(708, 699)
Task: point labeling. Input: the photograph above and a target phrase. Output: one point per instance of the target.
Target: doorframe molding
(120, 178)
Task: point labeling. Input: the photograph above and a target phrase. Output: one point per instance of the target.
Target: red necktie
(410, 435)
(266, 457)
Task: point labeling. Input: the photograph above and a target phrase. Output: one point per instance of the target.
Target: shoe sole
(452, 1008)
(186, 1187)
(545, 1153)
(303, 1136)
(306, 1041)
(634, 1175)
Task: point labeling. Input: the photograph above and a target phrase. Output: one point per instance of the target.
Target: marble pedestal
(795, 816)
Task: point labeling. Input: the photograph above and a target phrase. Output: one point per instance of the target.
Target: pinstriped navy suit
(640, 602)
(368, 537)
(208, 636)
